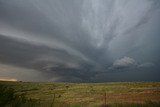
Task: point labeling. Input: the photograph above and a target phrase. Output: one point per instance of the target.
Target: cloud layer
(86, 40)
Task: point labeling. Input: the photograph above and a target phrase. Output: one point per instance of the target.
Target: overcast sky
(80, 40)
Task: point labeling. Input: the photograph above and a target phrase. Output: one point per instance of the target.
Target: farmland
(116, 94)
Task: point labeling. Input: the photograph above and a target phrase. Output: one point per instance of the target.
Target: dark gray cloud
(85, 40)
(147, 64)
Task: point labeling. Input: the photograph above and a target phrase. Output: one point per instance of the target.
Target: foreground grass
(116, 94)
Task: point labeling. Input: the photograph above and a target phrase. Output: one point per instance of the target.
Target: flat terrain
(88, 94)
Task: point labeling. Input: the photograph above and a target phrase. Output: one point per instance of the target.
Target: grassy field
(112, 94)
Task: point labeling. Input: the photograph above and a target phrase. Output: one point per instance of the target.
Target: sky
(80, 40)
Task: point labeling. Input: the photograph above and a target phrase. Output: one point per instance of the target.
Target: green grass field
(111, 94)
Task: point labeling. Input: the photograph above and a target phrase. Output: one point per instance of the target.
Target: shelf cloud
(80, 41)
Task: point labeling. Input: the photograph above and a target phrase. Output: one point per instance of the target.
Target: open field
(117, 94)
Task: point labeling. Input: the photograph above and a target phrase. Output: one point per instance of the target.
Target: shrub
(9, 98)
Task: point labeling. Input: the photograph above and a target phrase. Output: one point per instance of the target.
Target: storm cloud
(80, 40)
